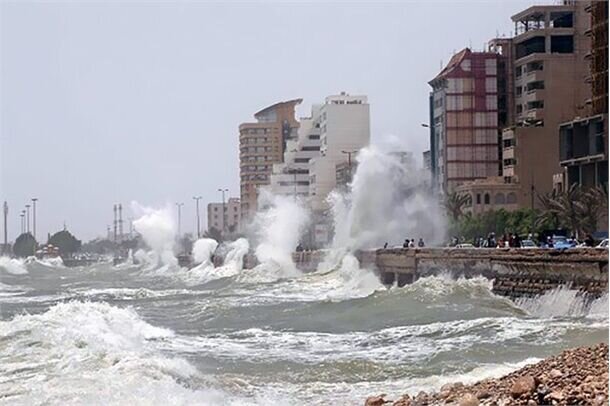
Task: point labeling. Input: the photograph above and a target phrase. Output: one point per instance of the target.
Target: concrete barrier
(515, 272)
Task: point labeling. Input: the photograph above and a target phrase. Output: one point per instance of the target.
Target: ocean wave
(12, 266)
(96, 354)
(565, 302)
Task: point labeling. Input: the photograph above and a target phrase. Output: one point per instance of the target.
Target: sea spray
(387, 201)
(278, 228)
(158, 231)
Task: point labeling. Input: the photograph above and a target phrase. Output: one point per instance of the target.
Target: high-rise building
(225, 218)
(466, 104)
(583, 141)
(344, 130)
(291, 178)
(548, 67)
(262, 144)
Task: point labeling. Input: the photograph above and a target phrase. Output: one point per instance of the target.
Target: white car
(603, 244)
(466, 245)
(528, 244)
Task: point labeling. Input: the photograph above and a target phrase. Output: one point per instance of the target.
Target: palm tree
(454, 204)
(595, 207)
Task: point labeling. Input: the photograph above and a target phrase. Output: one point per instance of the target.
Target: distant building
(548, 67)
(262, 144)
(427, 160)
(227, 220)
(344, 130)
(344, 173)
(489, 194)
(291, 177)
(465, 104)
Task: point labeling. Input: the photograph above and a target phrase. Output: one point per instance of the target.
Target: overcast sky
(104, 103)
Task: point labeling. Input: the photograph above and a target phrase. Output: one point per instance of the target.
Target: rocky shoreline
(575, 377)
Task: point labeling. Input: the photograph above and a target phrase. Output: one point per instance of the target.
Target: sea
(153, 333)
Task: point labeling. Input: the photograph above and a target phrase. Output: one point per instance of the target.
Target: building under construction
(584, 139)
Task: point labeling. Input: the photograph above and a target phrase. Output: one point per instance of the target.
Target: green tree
(65, 242)
(25, 245)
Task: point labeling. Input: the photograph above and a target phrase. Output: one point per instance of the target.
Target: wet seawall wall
(516, 272)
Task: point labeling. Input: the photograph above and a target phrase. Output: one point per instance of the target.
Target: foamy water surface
(156, 334)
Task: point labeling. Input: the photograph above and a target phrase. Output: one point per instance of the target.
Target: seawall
(515, 272)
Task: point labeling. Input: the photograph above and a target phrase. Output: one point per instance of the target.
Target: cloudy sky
(104, 102)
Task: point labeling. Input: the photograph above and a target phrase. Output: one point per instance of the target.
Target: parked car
(560, 242)
(465, 245)
(528, 244)
(603, 244)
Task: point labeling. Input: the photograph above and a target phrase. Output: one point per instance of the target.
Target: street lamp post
(34, 200)
(197, 198)
(349, 163)
(179, 206)
(5, 211)
(224, 209)
(22, 221)
(27, 210)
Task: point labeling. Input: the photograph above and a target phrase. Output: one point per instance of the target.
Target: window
(314, 136)
(511, 198)
(486, 198)
(311, 148)
(478, 198)
(499, 198)
(562, 44)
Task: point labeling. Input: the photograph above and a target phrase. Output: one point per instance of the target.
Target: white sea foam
(13, 266)
(565, 302)
(95, 354)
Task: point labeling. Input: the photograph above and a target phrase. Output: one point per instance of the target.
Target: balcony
(533, 95)
(508, 153)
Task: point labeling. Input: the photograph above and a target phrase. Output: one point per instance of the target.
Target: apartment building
(548, 69)
(344, 130)
(262, 144)
(465, 118)
(225, 218)
(291, 178)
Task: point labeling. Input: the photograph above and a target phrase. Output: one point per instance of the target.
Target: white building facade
(291, 177)
(344, 122)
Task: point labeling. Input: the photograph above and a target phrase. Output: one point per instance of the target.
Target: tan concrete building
(489, 194)
(583, 141)
(549, 68)
(225, 217)
(262, 144)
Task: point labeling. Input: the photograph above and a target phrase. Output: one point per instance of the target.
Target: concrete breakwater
(515, 272)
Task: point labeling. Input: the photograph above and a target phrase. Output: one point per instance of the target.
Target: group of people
(411, 243)
(508, 240)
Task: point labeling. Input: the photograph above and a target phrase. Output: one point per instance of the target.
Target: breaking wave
(12, 266)
(94, 354)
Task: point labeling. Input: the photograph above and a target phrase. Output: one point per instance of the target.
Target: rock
(600, 400)
(376, 400)
(532, 403)
(469, 400)
(483, 394)
(555, 374)
(522, 386)
(555, 395)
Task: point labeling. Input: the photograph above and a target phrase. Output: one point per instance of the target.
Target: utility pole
(27, 210)
(22, 221)
(34, 200)
(349, 163)
(114, 209)
(130, 228)
(197, 198)
(5, 211)
(224, 210)
(179, 205)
